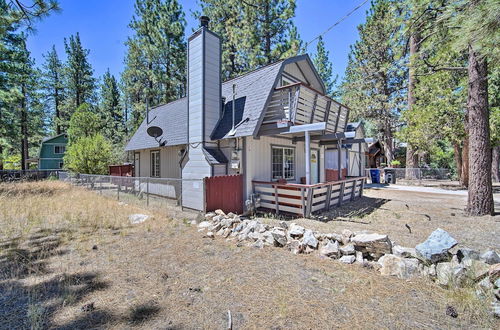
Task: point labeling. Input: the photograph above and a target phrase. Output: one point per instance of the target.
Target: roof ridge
(257, 69)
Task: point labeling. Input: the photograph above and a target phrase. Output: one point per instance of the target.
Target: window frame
(294, 160)
(157, 166)
(59, 146)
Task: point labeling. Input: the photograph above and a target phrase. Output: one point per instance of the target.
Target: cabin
(376, 156)
(52, 152)
(273, 131)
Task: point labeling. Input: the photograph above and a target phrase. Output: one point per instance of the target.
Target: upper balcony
(299, 104)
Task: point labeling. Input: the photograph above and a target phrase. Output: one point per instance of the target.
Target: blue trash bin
(375, 174)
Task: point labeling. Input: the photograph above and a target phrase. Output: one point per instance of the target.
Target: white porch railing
(303, 199)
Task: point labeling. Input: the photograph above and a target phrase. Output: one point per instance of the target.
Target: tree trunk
(24, 130)
(457, 153)
(480, 199)
(411, 152)
(58, 115)
(495, 164)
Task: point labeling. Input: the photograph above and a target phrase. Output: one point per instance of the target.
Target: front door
(137, 160)
(314, 166)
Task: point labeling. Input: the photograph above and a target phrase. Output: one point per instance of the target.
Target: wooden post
(308, 156)
(147, 191)
(309, 202)
(341, 193)
(118, 191)
(303, 202)
(339, 158)
(328, 196)
(276, 199)
(362, 186)
(353, 192)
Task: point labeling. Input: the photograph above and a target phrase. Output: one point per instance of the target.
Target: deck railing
(303, 199)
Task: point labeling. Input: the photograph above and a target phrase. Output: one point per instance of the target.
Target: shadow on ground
(353, 211)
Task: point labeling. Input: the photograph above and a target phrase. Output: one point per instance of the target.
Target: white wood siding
(258, 159)
(169, 162)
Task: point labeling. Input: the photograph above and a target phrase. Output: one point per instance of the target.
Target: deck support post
(276, 198)
(341, 193)
(309, 202)
(147, 191)
(339, 160)
(302, 199)
(360, 160)
(308, 156)
(328, 197)
(353, 191)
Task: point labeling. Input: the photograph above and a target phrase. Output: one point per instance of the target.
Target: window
(283, 163)
(155, 164)
(59, 149)
(61, 164)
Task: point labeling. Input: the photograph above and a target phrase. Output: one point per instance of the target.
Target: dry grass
(164, 274)
(389, 211)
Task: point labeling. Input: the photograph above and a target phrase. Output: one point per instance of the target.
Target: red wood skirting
(225, 193)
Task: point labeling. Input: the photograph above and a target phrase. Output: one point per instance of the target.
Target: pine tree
(375, 78)
(324, 67)
(53, 86)
(155, 65)
(267, 29)
(110, 109)
(78, 74)
(226, 19)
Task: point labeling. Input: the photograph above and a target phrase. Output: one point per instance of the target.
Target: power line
(336, 23)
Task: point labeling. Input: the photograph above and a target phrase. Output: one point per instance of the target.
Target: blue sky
(103, 27)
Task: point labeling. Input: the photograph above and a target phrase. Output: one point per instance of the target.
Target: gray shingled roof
(252, 92)
(171, 118)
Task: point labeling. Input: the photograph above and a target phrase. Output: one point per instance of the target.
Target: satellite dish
(155, 131)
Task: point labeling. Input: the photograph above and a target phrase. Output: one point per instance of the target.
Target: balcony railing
(298, 104)
(303, 199)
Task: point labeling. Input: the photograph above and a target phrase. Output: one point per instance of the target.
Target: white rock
(209, 216)
(279, 236)
(137, 218)
(309, 239)
(296, 230)
(403, 252)
(258, 244)
(346, 236)
(348, 250)
(210, 234)
(331, 249)
(490, 257)
(372, 243)
(483, 288)
(449, 275)
(436, 247)
(220, 212)
(268, 238)
(333, 236)
(347, 259)
(359, 257)
(403, 268)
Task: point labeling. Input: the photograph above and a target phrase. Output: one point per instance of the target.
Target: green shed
(52, 152)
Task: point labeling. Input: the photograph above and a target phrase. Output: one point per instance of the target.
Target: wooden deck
(304, 199)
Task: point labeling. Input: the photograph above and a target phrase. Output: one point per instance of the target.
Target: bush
(90, 155)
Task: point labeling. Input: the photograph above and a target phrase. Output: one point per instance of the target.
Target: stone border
(435, 258)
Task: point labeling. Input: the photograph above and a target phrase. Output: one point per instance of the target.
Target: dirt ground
(70, 260)
(388, 211)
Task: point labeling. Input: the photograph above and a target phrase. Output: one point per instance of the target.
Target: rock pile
(434, 258)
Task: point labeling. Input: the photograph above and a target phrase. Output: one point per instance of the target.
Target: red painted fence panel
(225, 193)
(333, 175)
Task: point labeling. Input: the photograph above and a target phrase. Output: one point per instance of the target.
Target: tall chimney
(204, 82)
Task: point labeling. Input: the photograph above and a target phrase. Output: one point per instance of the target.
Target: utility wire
(336, 23)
